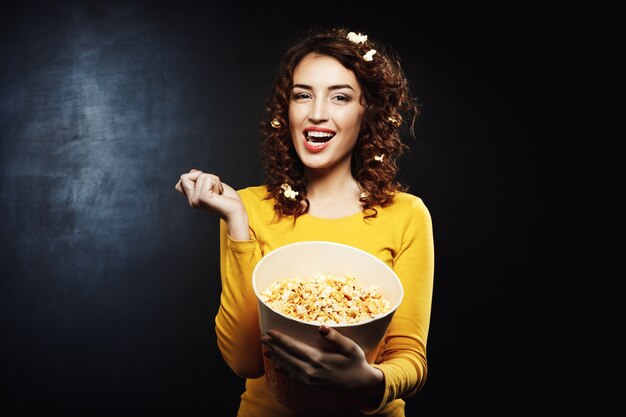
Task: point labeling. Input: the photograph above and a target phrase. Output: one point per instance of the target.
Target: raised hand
(206, 191)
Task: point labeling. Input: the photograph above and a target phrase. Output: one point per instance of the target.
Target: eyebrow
(330, 88)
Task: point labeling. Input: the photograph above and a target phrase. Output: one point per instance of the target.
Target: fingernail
(324, 330)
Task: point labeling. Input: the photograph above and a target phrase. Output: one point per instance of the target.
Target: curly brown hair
(389, 106)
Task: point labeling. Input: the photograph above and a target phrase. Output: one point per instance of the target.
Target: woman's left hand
(342, 363)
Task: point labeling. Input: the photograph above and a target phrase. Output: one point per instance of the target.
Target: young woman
(330, 144)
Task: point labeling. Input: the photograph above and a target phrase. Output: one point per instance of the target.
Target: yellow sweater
(401, 236)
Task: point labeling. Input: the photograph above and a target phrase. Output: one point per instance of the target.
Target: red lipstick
(316, 139)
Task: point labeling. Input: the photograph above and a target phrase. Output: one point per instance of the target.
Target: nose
(318, 111)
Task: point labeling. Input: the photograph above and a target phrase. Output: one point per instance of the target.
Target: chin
(316, 164)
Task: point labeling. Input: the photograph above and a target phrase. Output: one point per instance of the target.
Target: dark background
(110, 282)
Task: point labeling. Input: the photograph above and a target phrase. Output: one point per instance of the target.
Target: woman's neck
(333, 195)
(323, 185)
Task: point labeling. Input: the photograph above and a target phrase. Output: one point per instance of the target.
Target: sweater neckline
(334, 219)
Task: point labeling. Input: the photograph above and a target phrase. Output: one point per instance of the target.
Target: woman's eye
(341, 98)
(300, 96)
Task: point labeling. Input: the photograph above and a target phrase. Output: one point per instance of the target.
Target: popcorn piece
(356, 38)
(288, 191)
(369, 55)
(394, 121)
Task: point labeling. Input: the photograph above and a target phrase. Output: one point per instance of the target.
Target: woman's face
(325, 112)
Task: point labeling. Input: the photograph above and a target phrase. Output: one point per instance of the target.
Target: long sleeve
(237, 322)
(401, 236)
(404, 362)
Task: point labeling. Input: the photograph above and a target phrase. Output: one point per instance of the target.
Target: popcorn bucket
(308, 259)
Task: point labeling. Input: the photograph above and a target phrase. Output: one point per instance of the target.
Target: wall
(110, 282)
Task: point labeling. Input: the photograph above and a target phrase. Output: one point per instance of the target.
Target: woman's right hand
(206, 191)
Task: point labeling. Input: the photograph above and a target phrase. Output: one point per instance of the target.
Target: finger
(207, 186)
(179, 187)
(188, 185)
(216, 187)
(216, 182)
(291, 346)
(341, 343)
(201, 186)
(193, 174)
(293, 366)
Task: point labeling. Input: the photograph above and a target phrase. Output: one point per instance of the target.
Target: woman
(331, 140)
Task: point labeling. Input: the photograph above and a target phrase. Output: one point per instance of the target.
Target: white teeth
(317, 134)
(314, 134)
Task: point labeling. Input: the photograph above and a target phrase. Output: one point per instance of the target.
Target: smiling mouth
(317, 138)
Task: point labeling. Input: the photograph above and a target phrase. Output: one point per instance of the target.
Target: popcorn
(369, 55)
(356, 38)
(394, 121)
(288, 191)
(326, 299)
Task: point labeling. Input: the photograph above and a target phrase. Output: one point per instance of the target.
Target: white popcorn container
(307, 259)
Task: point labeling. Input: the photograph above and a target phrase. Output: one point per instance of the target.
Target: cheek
(353, 124)
(294, 138)
(293, 123)
(296, 114)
